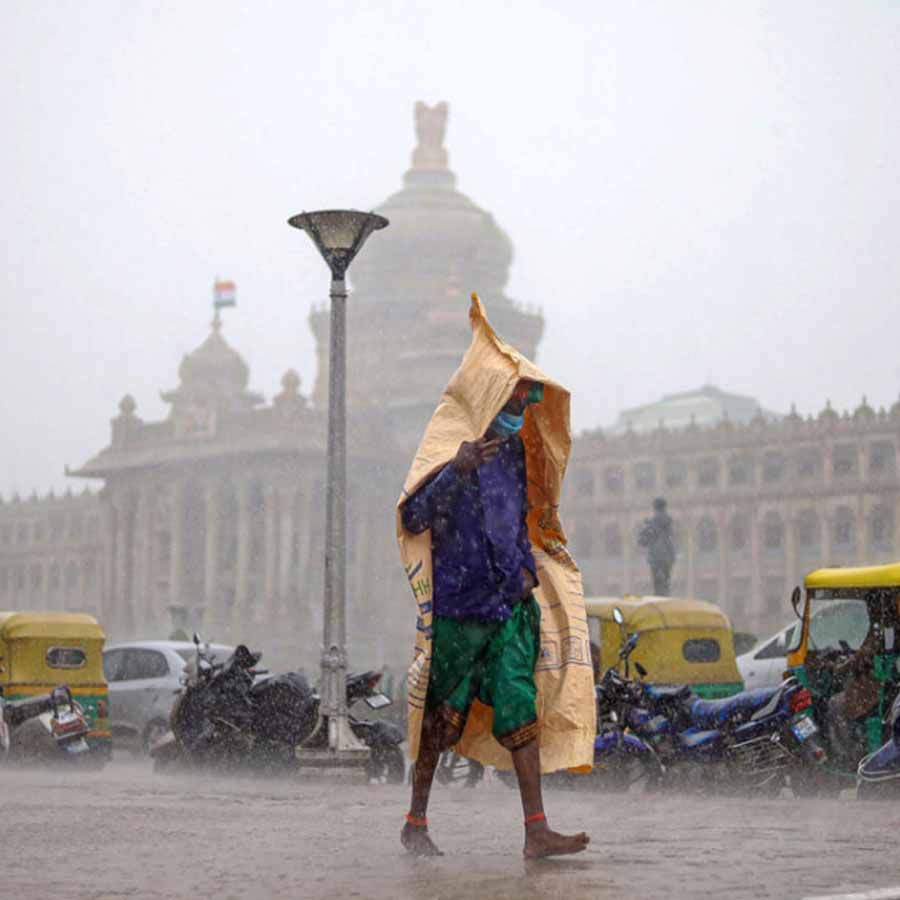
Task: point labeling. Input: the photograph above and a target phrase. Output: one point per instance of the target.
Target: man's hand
(528, 582)
(472, 454)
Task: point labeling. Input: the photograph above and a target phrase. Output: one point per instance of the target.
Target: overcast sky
(697, 192)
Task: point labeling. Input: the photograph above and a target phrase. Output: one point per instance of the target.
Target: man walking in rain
(481, 659)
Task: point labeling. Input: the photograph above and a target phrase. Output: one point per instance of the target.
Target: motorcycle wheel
(386, 764)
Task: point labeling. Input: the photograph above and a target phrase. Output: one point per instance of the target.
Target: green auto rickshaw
(847, 655)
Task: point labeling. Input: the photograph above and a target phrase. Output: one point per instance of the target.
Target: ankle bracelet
(537, 817)
(417, 822)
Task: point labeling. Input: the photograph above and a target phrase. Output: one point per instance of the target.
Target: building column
(791, 565)
(211, 593)
(242, 566)
(176, 538)
(862, 515)
(722, 520)
(269, 601)
(756, 597)
(124, 504)
(108, 574)
(148, 611)
(629, 548)
(690, 543)
(286, 556)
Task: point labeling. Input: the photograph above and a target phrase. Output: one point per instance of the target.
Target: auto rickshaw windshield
(836, 616)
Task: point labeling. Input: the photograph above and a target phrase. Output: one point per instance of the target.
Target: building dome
(411, 283)
(214, 376)
(214, 367)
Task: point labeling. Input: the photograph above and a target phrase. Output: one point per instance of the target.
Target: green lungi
(492, 662)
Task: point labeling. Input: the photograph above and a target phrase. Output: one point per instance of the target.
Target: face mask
(506, 424)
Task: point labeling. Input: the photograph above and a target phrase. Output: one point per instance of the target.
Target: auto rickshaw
(681, 641)
(40, 650)
(844, 608)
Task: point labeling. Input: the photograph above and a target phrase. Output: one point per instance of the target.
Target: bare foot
(416, 840)
(541, 841)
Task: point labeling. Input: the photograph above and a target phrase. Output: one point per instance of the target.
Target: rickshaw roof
(651, 613)
(18, 625)
(855, 577)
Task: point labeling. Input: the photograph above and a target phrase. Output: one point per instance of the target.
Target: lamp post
(338, 236)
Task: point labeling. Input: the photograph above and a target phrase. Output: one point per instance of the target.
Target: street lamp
(338, 235)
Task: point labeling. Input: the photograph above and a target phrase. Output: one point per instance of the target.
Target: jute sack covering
(478, 390)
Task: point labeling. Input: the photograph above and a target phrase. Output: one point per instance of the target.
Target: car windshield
(835, 618)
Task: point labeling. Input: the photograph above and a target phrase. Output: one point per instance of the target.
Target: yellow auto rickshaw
(40, 650)
(681, 641)
(849, 646)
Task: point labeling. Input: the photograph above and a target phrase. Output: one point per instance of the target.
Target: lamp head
(338, 234)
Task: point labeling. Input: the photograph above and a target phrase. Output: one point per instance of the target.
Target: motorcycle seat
(695, 740)
(667, 691)
(715, 713)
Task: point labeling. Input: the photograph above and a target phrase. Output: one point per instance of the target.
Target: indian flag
(224, 294)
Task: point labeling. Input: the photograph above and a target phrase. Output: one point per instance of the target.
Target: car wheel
(155, 730)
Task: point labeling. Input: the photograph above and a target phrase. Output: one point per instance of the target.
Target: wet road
(125, 832)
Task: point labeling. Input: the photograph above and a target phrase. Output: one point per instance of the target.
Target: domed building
(214, 517)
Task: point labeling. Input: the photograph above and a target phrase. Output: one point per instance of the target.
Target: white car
(144, 678)
(764, 665)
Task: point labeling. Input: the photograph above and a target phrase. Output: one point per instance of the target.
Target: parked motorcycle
(44, 728)
(878, 775)
(749, 741)
(227, 716)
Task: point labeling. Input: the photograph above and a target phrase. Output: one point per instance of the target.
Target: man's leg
(513, 694)
(436, 737)
(539, 839)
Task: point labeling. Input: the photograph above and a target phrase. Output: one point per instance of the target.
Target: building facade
(214, 516)
(756, 504)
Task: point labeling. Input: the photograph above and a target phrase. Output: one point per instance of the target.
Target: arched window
(807, 530)
(613, 539)
(882, 458)
(708, 472)
(676, 473)
(740, 470)
(71, 577)
(739, 533)
(773, 533)
(707, 536)
(615, 479)
(645, 476)
(583, 543)
(54, 577)
(583, 483)
(881, 528)
(844, 528)
(844, 460)
(773, 467)
(809, 463)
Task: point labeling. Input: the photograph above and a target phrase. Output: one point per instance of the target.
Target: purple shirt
(479, 538)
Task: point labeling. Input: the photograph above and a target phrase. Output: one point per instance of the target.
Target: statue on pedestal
(657, 539)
